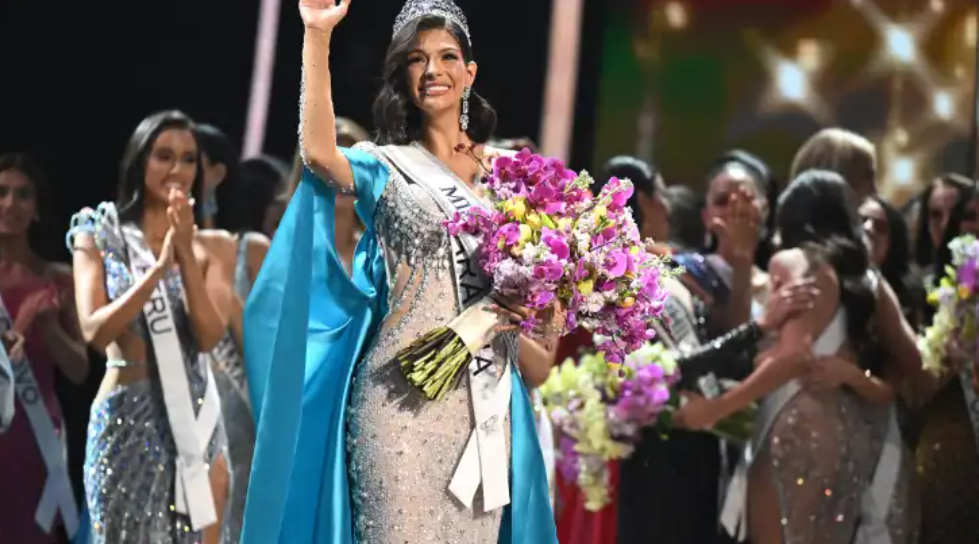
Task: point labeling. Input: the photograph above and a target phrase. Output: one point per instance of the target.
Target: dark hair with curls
(924, 250)
(896, 267)
(817, 214)
(131, 199)
(396, 117)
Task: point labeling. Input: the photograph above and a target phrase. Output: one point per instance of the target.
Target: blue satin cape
(306, 325)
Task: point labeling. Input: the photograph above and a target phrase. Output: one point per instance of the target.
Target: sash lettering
(484, 461)
(57, 496)
(191, 432)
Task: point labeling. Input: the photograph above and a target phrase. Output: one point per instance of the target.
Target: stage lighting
(676, 15)
(944, 105)
(900, 44)
(903, 171)
(791, 81)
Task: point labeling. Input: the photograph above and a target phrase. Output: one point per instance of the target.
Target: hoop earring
(464, 118)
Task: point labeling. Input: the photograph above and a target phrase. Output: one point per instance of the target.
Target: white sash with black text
(57, 495)
(485, 459)
(191, 433)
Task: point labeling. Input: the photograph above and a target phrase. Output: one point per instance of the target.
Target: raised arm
(778, 365)
(318, 134)
(101, 321)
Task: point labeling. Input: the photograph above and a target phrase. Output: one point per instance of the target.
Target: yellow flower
(600, 212)
(634, 250)
(627, 302)
(964, 292)
(525, 234)
(518, 209)
(534, 221)
(565, 223)
(585, 287)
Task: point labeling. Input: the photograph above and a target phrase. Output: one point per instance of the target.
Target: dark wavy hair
(397, 119)
(131, 197)
(817, 213)
(924, 250)
(25, 164)
(943, 256)
(242, 207)
(896, 267)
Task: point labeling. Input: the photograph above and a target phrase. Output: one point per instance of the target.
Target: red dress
(22, 470)
(575, 525)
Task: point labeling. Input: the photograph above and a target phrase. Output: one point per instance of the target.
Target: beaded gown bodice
(403, 449)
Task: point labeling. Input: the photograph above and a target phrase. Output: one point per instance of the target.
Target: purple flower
(615, 264)
(967, 273)
(510, 233)
(549, 270)
(557, 244)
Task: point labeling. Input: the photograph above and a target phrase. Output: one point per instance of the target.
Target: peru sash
(191, 433)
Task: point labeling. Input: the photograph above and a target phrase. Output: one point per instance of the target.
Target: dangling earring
(464, 118)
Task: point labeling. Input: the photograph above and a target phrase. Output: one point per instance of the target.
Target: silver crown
(413, 9)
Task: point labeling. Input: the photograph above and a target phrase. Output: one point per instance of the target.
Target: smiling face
(18, 202)
(171, 164)
(438, 73)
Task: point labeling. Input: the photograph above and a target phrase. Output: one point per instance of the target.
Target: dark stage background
(77, 78)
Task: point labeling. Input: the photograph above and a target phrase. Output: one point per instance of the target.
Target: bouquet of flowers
(547, 240)
(955, 330)
(600, 410)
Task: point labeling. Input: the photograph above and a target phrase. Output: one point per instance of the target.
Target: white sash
(734, 512)
(57, 495)
(876, 500)
(7, 391)
(485, 459)
(191, 434)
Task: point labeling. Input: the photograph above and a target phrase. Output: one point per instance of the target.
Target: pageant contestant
(347, 450)
(797, 490)
(155, 442)
(38, 502)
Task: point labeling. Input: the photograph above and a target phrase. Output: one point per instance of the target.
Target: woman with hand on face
(814, 412)
(39, 299)
(155, 467)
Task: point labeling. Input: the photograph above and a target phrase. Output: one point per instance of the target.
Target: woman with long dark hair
(813, 414)
(948, 445)
(347, 449)
(38, 303)
(934, 208)
(890, 252)
(155, 470)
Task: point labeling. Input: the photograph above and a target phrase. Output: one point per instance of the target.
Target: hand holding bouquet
(546, 239)
(953, 336)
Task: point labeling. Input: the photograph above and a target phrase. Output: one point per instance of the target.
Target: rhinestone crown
(447, 9)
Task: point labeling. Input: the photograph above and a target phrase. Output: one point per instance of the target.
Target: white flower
(530, 254)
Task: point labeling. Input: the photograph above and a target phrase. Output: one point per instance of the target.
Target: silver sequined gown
(403, 450)
(236, 412)
(130, 454)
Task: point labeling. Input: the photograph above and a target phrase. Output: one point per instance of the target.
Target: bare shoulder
(218, 242)
(59, 273)
(788, 264)
(258, 245)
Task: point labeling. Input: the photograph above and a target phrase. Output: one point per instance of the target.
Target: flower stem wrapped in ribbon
(547, 239)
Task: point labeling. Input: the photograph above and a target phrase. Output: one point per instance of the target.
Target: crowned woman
(347, 450)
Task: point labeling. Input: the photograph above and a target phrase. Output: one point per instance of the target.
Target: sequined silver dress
(821, 450)
(236, 412)
(403, 450)
(130, 454)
